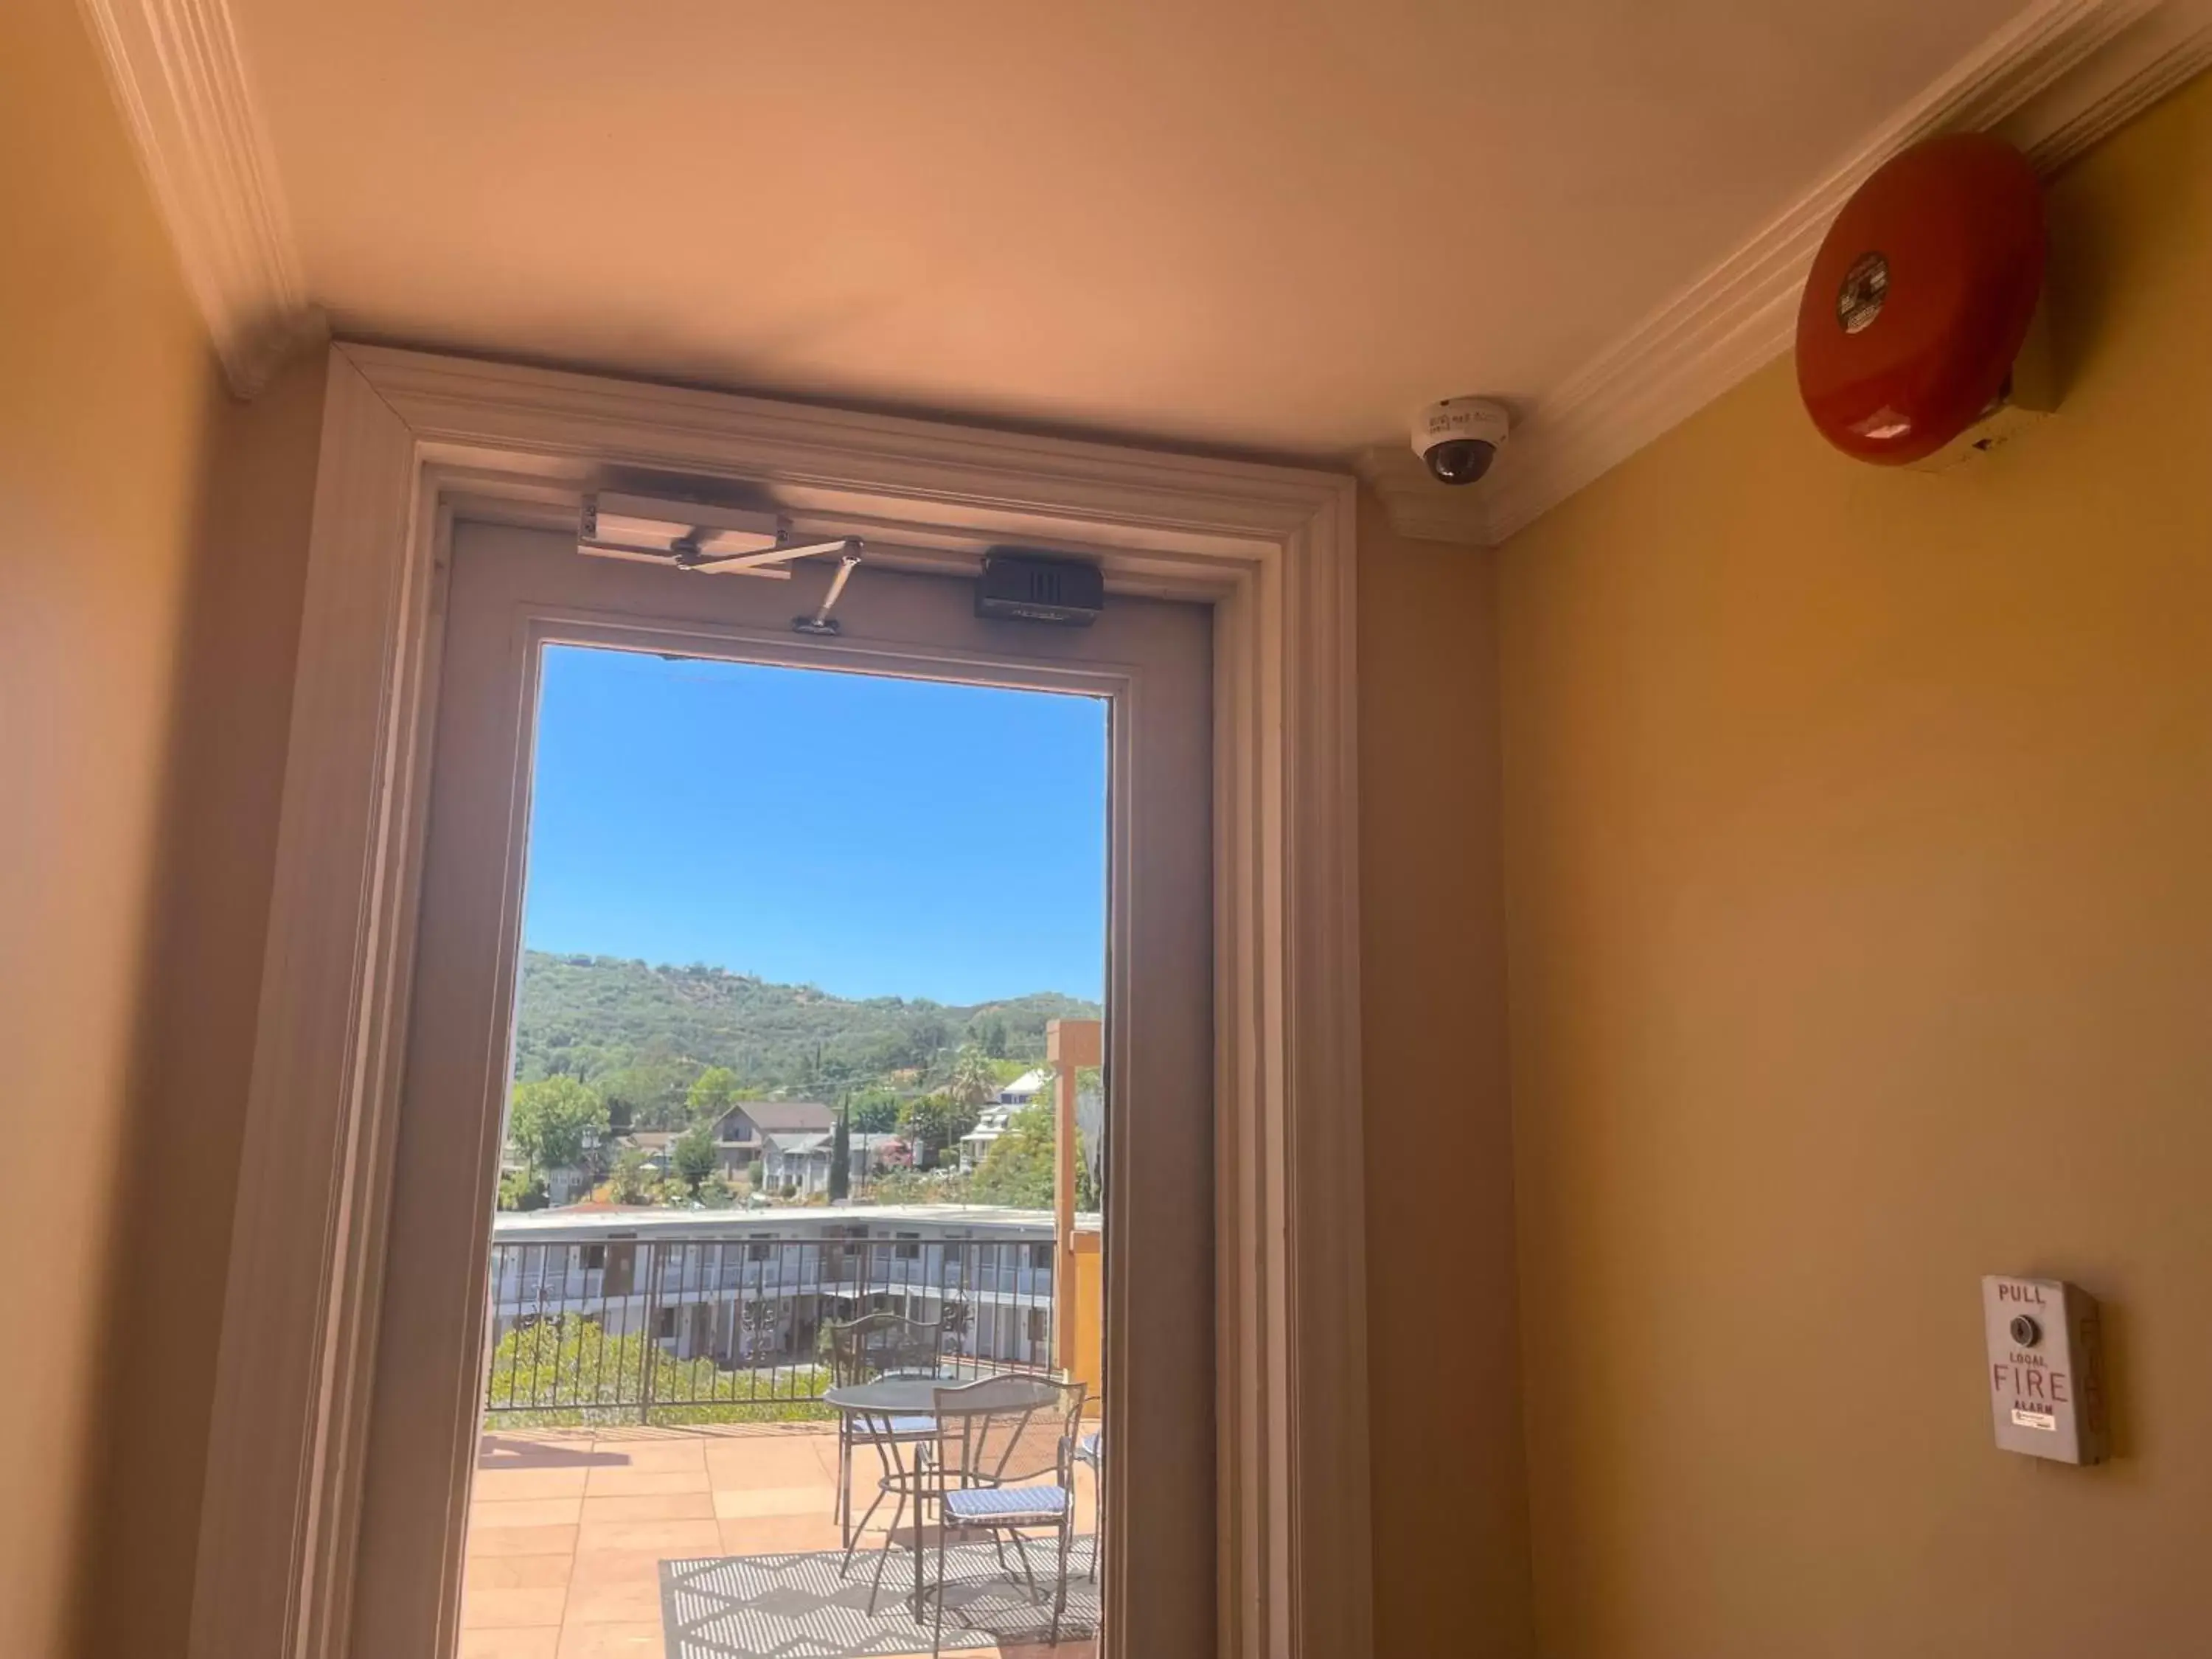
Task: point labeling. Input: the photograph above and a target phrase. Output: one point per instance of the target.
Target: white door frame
(406, 437)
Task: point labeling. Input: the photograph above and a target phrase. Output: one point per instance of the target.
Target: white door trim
(405, 436)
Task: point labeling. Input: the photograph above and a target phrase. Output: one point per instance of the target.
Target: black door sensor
(1032, 587)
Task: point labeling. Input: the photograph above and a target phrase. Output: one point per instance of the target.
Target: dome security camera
(1458, 438)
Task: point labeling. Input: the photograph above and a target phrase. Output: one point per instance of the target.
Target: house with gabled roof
(741, 1134)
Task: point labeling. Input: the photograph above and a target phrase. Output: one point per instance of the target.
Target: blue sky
(871, 836)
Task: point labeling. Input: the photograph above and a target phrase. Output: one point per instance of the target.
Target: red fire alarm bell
(1920, 298)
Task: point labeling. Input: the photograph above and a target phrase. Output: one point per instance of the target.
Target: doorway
(528, 1369)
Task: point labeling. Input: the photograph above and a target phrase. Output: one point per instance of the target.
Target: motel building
(754, 1289)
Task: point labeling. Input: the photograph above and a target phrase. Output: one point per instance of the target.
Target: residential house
(1032, 1088)
(995, 1118)
(564, 1182)
(1025, 1088)
(994, 1122)
(802, 1161)
(656, 1144)
(740, 1134)
(796, 1162)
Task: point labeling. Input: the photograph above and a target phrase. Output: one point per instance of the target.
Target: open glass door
(728, 1314)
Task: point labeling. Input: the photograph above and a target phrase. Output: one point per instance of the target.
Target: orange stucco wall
(1859, 944)
(1088, 1282)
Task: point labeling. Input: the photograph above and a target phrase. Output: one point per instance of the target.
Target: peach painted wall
(107, 393)
(1858, 852)
(1451, 1548)
(228, 720)
(144, 675)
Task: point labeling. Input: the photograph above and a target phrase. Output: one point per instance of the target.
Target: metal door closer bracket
(712, 541)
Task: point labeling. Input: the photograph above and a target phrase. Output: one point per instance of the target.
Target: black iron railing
(705, 1328)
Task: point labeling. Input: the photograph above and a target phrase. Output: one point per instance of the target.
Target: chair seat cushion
(895, 1428)
(1002, 1506)
(1090, 1447)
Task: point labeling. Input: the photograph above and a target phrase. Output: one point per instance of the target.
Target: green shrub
(568, 1372)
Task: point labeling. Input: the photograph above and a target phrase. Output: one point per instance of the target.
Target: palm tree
(973, 1081)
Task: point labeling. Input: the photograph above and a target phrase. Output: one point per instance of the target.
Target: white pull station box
(2046, 1369)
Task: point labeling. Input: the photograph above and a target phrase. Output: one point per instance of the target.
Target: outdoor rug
(795, 1607)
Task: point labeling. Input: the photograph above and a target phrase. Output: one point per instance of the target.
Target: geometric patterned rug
(796, 1606)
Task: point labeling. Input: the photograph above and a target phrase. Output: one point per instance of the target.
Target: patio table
(909, 1396)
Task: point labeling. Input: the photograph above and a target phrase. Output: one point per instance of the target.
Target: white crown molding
(2163, 47)
(177, 74)
(2058, 78)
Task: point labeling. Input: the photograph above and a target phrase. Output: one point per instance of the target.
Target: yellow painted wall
(144, 674)
(1450, 1549)
(1858, 860)
(1853, 851)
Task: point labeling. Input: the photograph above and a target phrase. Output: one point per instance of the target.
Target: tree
(519, 1191)
(553, 1120)
(841, 1158)
(912, 1187)
(973, 1079)
(925, 1038)
(712, 1093)
(1018, 1170)
(875, 1110)
(640, 1034)
(834, 1076)
(933, 1123)
(631, 1182)
(651, 1090)
(1088, 1080)
(693, 1159)
(990, 1031)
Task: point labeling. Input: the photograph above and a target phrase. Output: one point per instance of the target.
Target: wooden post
(1069, 1045)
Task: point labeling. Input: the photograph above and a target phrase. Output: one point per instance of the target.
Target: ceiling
(1275, 228)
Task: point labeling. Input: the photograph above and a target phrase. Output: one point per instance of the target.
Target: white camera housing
(1458, 438)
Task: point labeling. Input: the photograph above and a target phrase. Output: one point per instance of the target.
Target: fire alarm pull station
(2046, 1372)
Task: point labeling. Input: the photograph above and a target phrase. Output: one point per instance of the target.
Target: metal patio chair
(1005, 1465)
(1090, 1452)
(863, 1350)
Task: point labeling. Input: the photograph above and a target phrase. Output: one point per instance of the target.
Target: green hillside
(640, 1034)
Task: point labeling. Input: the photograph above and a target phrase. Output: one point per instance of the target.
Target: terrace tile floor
(568, 1528)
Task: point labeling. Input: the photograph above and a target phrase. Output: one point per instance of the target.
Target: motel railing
(627, 1329)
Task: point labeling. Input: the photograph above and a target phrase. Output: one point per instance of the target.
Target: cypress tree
(841, 1155)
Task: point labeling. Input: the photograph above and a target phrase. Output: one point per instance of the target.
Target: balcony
(657, 1401)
